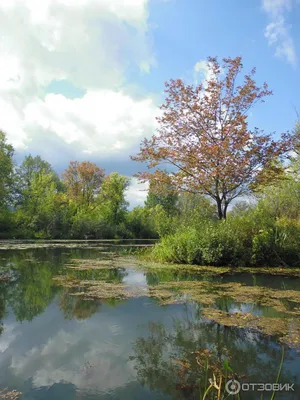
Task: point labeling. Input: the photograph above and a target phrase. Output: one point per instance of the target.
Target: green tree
(6, 186)
(194, 208)
(6, 171)
(30, 168)
(140, 224)
(205, 137)
(112, 202)
(281, 200)
(45, 210)
(83, 182)
(162, 194)
(296, 156)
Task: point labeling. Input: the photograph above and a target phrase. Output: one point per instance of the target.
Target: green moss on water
(145, 262)
(207, 292)
(287, 329)
(9, 394)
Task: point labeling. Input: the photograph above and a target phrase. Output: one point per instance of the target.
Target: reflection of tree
(31, 288)
(167, 275)
(33, 291)
(77, 307)
(173, 360)
(114, 275)
(80, 308)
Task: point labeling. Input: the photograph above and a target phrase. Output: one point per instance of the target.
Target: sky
(84, 79)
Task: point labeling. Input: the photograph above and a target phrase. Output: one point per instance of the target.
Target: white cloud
(89, 43)
(137, 192)
(92, 366)
(278, 35)
(8, 336)
(278, 31)
(276, 7)
(201, 69)
(103, 121)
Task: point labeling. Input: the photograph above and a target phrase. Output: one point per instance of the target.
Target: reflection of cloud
(8, 336)
(92, 355)
(76, 358)
(135, 278)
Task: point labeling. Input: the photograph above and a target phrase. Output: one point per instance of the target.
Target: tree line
(202, 159)
(84, 202)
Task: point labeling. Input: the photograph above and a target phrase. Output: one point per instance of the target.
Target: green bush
(247, 240)
(180, 247)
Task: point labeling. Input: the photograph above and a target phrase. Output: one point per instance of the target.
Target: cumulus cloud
(137, 192)
(92, 366)
(278, 30)
(275, 7)
(103, 121)
(89, 43)
(201, 69)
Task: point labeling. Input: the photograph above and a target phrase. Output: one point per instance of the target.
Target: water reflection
(173, 360)
(32, 288)
(76, 307)
(54, 345)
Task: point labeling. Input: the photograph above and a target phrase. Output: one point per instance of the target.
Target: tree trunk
(225, 210)
(222, 210)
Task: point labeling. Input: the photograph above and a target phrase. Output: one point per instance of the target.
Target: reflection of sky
(52, 358)
(255, 309)
(135, 278)
(91, 355)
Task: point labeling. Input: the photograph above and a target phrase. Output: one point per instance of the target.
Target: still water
(57, 346)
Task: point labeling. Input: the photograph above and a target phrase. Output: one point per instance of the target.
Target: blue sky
(84, 79)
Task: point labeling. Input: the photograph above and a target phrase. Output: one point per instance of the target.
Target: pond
(78, 321)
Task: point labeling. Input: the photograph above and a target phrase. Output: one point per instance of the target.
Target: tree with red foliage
(204, 135)
(83, 181)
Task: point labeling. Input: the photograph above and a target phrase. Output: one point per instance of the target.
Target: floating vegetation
(9, 395)
(112, 262)
(100, 289)
(287, 328)
(207, 293)
(83, 265)
(179, 291)
(279, 271)
(213, 270)
(71, 244)
(39, 245)
(204, 292)
(206, 270)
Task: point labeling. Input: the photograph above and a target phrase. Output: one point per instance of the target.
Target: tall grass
(214, 388)
(240, 241)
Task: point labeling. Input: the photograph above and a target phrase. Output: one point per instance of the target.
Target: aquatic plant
(5, 394)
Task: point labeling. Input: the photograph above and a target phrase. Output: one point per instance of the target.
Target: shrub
(181, 247)
(248, 240)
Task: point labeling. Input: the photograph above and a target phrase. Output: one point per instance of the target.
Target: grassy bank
(239, 242)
